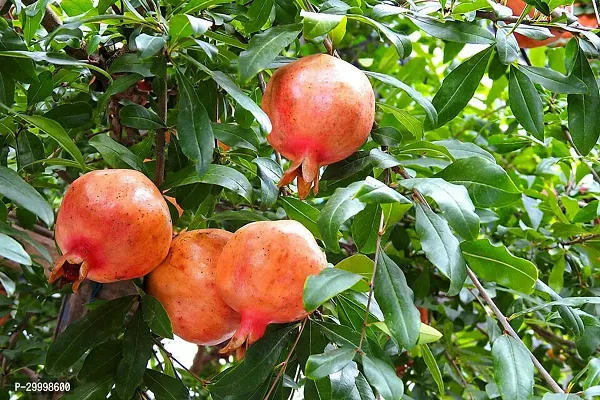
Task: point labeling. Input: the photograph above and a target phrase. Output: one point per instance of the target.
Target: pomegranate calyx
(70, 268)
(251, 329)
(307, 172)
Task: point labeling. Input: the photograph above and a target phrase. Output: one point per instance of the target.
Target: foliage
(483, 163)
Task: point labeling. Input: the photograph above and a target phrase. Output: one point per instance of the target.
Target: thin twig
(287, 360)
(162, 102)
(456, 368)
(506, 325)
(159, 344)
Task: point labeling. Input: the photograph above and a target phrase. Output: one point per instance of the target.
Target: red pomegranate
(261, 274)
(112, 225)
(322, 110)
(517, 6)
(185, 284)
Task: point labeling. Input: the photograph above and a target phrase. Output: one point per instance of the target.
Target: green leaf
(584, 118)
(459, 87)
(525, 103)
(238, 95)
(258, 15)
(433, 367)
(330, 282)
(115, 154)
(387, 136)
(132, 63)
(183, 25)
(441, 247)
(13, 187)
(193, 126)
(219, 175)
(137, 350)
(395, 299)
(424, 147)
(507, 46)
(320, 366)
(401, 43)
(54, 130)
(372, 191)
(71, 115)
(165, 387)
(40, 90)
(83, 334)
(341, 206)
(236, 136)
(304, 213)
(156, 317)
(513, 368)
(256, 367)
(430, 110)
(460, 149)
(555, 81)
(428, 334)
(488, 184)
(381, 159)
(318, 24)
(593, 374)
(149, 45)
(91, 390)
(7, 90)
(29, 150)
(239, 215)
(383, 378)
(264, 47)
(405, 118)
(102, 361)
(12, 250)
(269, 172)
(139, 117)
(497, 264)
(454, 31)
(365, 229)
(454, 202)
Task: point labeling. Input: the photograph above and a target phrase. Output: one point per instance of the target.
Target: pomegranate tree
(185, 285)
(322, 111)
(112, 225)
(261, 274)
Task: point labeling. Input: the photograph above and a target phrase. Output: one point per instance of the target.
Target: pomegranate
(112, 225)
(322, 110)
(261, 274)
(517, 6)
(185, 284)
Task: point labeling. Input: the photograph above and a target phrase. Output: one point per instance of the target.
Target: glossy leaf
(395, 299)
(513, 369)
(441, 247)
(156, 317)
(459, 86)
(264, 47)
(383, 378)
(139, 117)
(320, 366)
(81, 335)
(12, 250)
(330, 282)
(584, 120)
(19, 191)
(193, 126)
(164, 386)
(555, 81)
(525, 103)
(454, 31)
(115, 154)
(454, 202)
(487, 183)
(433, 367)
(497, 264)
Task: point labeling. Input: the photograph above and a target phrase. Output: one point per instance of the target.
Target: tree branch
(506, 325)
(287, 360)
(159, 144)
